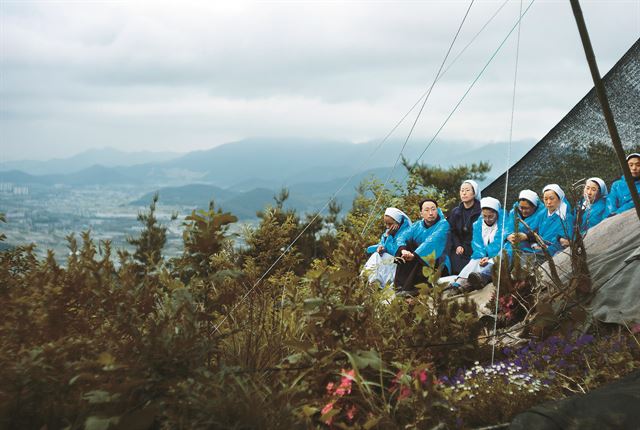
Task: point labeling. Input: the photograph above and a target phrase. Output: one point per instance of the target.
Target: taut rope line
(506, 188)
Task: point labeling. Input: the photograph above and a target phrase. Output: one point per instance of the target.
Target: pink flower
(330, 386)
(351, 412)
(422, 375)
(327, 408)
(345, 383)
(635, 329)
(404, 393)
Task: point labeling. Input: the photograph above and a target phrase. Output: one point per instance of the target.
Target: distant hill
(94, 175)
(272, 163)
(19, 177)
(196, 195)
(107, 157)
(305, 197)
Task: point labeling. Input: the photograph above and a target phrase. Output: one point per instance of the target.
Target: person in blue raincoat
(556, 223)
(486, 245)
(619, 198)
(528, 209)
(430, 235)
(380, 266)
(592, 208)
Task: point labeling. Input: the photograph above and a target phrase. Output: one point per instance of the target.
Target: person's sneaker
(475, 281)
(454, 286)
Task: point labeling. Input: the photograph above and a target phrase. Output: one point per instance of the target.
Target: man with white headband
(619, 199)
(592, 207)
(425, 238)
(487, 234)
(380, 266)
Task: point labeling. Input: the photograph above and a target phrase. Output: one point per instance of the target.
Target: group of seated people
(467, 243)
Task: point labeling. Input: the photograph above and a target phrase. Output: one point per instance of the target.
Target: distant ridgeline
(579, 146)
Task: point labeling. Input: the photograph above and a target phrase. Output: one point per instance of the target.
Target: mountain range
(107, 157)
(243, 176)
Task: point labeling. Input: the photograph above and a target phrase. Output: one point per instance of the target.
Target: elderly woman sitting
(556, 223)
(592, 208)
(486, 245)
(461, 221)
(380, 267)
(527, 211)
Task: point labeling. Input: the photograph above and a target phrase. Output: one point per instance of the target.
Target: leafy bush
(281, 332)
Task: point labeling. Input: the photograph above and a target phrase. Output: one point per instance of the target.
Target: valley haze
(104, 190)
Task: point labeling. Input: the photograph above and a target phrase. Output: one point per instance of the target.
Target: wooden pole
(604, 102)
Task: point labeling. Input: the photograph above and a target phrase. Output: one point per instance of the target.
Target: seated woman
(461, 220)
(526, 210)
(556, 223)
(592, 208)
(380, 267)
(619, 199)
(417, 243)
(487, 237)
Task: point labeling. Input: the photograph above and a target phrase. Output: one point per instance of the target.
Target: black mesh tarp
(552, 160)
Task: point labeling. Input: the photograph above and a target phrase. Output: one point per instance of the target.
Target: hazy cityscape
(46, 215)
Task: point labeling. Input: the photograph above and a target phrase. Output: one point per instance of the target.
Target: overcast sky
(180, 76)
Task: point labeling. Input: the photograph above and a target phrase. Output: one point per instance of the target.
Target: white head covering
(530, 196)
(490, 203)
(603, 187)
(397, 215)
(562, 210)
(633, 154)
(474, 185)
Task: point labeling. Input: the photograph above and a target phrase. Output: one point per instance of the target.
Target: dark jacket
(461, 221)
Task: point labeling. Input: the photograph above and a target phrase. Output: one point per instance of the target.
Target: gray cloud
(168, 76)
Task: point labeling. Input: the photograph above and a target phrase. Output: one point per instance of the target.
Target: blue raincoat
(390, 242)
(619, 198)
(492, 249)
(552, 228)
(532, 221)
(593, 214)
(431, 239)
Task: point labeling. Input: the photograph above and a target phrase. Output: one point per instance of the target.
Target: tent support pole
(604, 101)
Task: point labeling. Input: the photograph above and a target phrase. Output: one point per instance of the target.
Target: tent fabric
(613, 258)
(612, 406)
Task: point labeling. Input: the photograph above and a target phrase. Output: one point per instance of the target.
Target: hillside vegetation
(282, 333)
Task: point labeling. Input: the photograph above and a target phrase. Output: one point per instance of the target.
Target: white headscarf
(490, 203)
(603, 187)
(562, 210)
(397, 215)
(530, 196)
(633, 154)
(474, 185)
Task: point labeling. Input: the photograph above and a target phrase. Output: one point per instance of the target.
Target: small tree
(447, 180)
(205, 234)
(149, 244)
